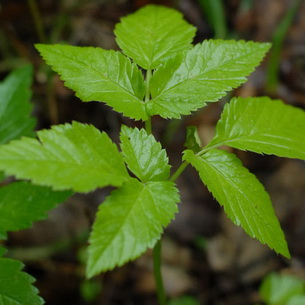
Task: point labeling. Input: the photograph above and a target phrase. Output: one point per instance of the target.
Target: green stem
(147, 85)
(148, 125)
(209, 147)
(184, 164)
(147, 98)
(37, 20)
(215, 13)
(51, 98)
(179, 171)
(157, 248)
(157, 273)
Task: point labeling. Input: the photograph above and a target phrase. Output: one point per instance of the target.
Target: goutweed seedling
(158, 72)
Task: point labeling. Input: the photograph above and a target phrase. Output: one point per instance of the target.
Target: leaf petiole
(184, 164)
(148, 125)
(179, 171)
(205, 149)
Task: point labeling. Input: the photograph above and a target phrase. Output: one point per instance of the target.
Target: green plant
(21, 203)
(282, 289)
(179, 79)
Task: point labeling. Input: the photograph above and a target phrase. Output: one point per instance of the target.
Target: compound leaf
(204, 74)
(262, 125)
(99, 75)
(144, 155)
(15, 285)
(15, 106)
(153, 34)
(240, 193)
(23, 203)
(72, 156)
(129, 221)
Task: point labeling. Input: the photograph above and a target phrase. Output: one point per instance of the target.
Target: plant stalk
(158, 274)
(37, 20)
(215, 13)
(184, 164)
(147, 98)
(51, 99)
(157, 248)
(148, 125)
(179, 171)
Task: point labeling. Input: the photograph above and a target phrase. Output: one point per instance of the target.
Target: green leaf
(204, 74)
(153, 34)
(144, 155)
(192, 139)
(296, 300)
(99, 75)
(23, 203)
(240, 193)
(15, 106)
(262, 125)
(71, 156)
(280, 288)
(16, 286)
(129, 221)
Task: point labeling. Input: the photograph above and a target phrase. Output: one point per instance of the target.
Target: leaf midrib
(83, 63)
(77, 165)
(119, 228)
(196, 78)
(247, 138)
(232, 183)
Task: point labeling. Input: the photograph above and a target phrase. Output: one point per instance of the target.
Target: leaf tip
(285, 250)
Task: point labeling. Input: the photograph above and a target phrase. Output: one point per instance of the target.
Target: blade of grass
(214, 11)
(37, 20)
(277, 43)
